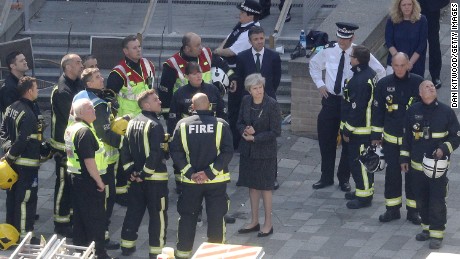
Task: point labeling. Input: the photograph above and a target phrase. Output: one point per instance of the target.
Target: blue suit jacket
(270, 69)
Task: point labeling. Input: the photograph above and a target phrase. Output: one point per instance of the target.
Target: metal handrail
(147, 19)
(279, 24)
(4, 15)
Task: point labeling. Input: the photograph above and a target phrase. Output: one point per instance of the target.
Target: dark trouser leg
(421, 188)
(10, 201)
(343, 172)
(80, 237)
(25, 199)
(437, 206)
(411, 203)
(134, 215)
(62, 194)
(188, 206)
(393, 177)
(121, 180)
(435, 61)
(280, 7)
(109, 180)
(157, 205)
(328, 127)
(216, 208)
(90, 204)
(234, 103)
(363, 180)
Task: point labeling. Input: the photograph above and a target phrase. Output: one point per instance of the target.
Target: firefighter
(356, 118)
(69, 84)
(132, 76)
(203, 173)
(432, 133)
(144, 155)
(86, 163)
(94, 82)
(20, 137)
(392, 96)
(173, 73)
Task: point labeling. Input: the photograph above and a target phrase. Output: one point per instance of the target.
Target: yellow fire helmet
(9, 236)
(7, 176)
(119, 126)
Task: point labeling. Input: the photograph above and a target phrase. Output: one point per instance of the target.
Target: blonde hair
(397, 16)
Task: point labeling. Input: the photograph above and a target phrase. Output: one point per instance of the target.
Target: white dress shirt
(328, 59)
(254, 52)
(242, 43)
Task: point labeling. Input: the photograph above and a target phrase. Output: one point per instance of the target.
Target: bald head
(400, 64)
(200, 102)
(191, 44)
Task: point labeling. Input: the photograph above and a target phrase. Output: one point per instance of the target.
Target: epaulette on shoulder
(330, 44)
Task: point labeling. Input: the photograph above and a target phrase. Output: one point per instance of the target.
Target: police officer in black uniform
(182, 99)
(86, 163)
(144, 155)
(432, 130)
(393, 95)
(203, 173)
(20, 138)
(356, 118)
(69, 84)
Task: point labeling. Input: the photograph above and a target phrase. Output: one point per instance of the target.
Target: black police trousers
(431, 201)
(393, 180)
(153, 196)
(328, 128)
(89, 213)
(189, 206)
(62, 193)
(364, 181)
(21, 200)
(109, 180)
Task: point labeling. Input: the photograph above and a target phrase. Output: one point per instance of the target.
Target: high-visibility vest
(178, 63)
(73, 162)
(134, 84)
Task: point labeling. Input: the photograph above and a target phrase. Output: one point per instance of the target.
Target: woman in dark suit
(259, 123)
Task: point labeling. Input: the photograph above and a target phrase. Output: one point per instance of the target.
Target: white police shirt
(328, 59)
(242, 43)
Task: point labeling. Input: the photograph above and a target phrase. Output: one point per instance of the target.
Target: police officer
(20, 137)
(132, 76)
(69, 84)
(173, 73)
(144, 156)
(238, 39)
(182, 99)
(86, 162)
(94, 82)
(432, 133)
(392, 96)
(332, 57)
(17, 65)
(356, 118)
(203, 173)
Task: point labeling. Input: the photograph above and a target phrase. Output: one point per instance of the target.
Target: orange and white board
(224, 251)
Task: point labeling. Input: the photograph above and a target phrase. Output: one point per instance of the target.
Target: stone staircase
(52, 46)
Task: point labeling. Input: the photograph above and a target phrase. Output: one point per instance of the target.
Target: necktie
(258, 63)
(338, 79)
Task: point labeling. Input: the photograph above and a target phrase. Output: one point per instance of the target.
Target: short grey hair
(78, 105)
(253, 80)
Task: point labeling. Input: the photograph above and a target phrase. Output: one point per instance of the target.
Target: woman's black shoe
(249, 230)
(262, 234)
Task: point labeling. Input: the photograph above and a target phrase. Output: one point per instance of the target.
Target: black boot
(414, 217)
(435, 243)
(389, 215)
(423, 236)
